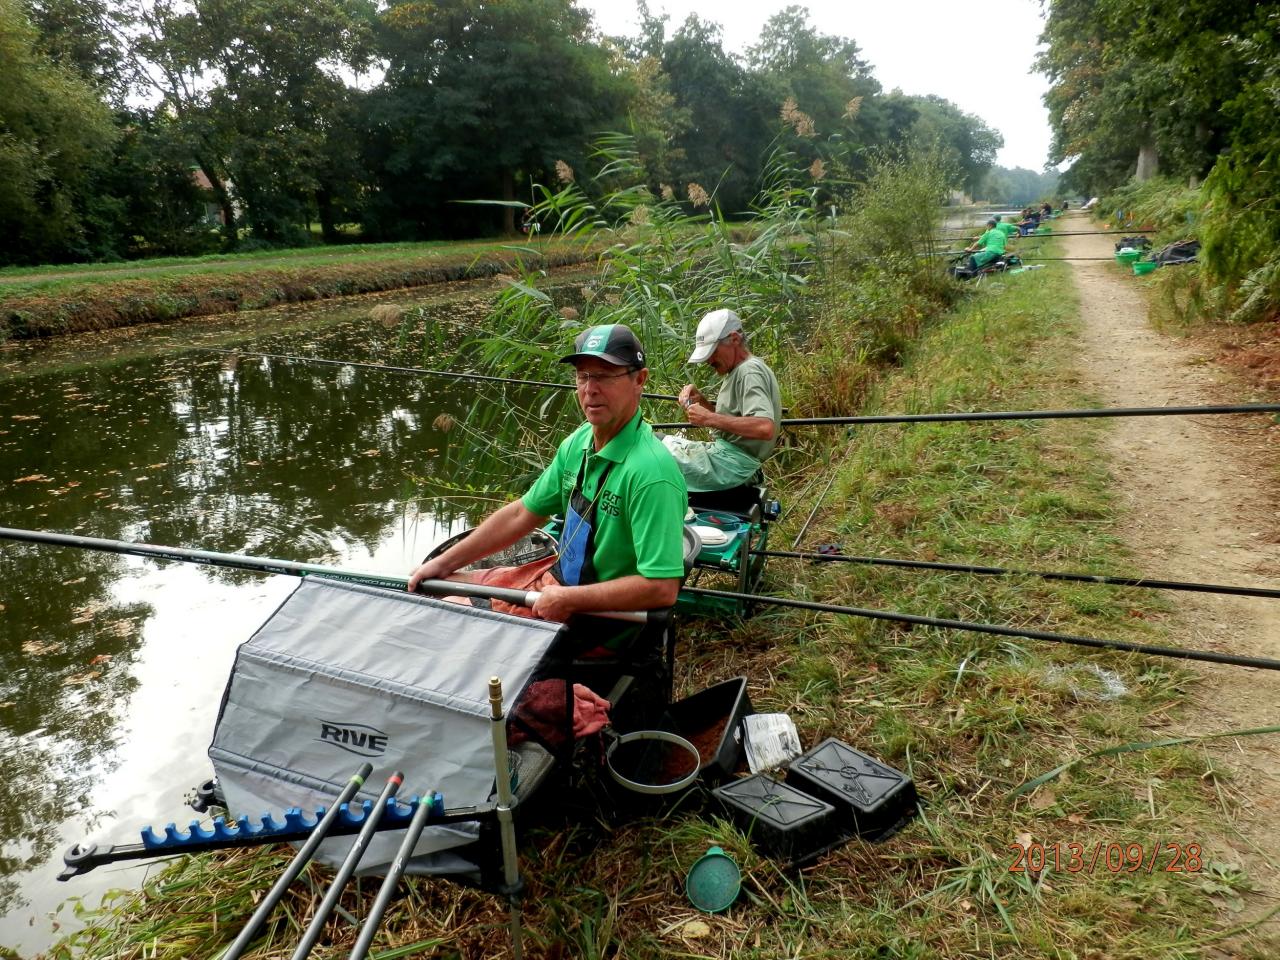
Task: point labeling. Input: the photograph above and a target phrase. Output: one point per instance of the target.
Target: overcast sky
(976, 55)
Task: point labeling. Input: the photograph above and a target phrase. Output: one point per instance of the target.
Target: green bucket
(713, 882)
(1143, 266)
(1128, 256)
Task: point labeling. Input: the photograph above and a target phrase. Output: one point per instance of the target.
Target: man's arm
(625, 593)
(753, 428)
(499, 529)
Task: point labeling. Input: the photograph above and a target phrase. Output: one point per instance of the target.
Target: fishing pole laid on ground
(1074, 233)
(237, 561)
(1208, 656)
(349, 863)
(992, 415)
(1142, 582)
(300, 860)
(388, 888)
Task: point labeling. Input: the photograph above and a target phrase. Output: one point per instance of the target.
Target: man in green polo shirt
(987, 247)
(621, 495)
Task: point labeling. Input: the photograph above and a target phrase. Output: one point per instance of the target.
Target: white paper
(771, 741)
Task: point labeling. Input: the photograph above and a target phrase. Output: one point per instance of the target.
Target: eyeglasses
(582, 379)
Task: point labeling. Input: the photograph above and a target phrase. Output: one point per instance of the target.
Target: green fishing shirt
(639, 515)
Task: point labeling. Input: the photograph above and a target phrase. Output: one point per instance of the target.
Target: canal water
(113, 667)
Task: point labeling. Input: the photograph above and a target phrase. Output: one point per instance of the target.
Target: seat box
(871, 799)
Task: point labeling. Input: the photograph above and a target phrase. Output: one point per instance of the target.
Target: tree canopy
(156, 126)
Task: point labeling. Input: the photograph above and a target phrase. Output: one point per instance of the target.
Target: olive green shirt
(750, 390)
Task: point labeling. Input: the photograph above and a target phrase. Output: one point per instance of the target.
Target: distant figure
(747, 413)
(987, 247)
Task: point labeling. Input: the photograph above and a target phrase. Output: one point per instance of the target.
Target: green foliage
(1018, 187)
(54, 137)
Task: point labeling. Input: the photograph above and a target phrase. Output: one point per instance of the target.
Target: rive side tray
(872, 801)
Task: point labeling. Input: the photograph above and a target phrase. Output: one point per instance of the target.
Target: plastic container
(652, 762)
(713, 882)
(711, 720)
(871, 800)
(1127, 256)
(781, 821)
(1141, 267)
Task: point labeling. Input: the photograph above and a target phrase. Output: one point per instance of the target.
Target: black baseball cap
(611, 342)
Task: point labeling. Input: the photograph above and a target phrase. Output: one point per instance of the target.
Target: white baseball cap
(713, 328)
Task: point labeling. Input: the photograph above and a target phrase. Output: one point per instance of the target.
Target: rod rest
(396, 814)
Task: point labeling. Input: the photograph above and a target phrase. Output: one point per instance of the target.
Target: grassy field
(54, 300)
(971, 718)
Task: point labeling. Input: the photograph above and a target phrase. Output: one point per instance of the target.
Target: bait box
(696, 718)
(780, 820)
(871, 799)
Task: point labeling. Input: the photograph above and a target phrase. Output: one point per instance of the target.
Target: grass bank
(969, 717)
(53, 301)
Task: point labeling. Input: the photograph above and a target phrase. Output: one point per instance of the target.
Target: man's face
(721, 359)
(608, 395)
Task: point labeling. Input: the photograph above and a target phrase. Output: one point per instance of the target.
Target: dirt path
(1200, 503)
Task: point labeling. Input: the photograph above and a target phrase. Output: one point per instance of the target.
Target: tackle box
(711, 720)
(871, 799)
(781, 821)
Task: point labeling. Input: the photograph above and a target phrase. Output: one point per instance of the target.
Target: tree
(479, 94)
(965, 142)
(258, 97)
(54, 136)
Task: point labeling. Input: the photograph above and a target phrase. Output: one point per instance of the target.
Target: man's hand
(430, 570)
(555, 602)
(700, 415)
(691, 396)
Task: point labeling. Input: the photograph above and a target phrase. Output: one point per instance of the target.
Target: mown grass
(150, 294)
(968, 717)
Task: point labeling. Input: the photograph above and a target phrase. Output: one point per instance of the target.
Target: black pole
(991, 415)
(1074, 233)
(299, 861)
(349, 864)
(1208, 656)
(415, 371)
(388, 888)
(1144, 582)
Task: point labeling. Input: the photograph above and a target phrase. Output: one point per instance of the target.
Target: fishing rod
(1143, 582)
(415, 371)
(993, 415)
(300, 860)
(1208, 656)
(1079, 233)
(236, 561)
(348, 867)
(388, 888)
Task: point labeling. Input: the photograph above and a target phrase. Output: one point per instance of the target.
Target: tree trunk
(1148, 161)
(324, 203)
(508, 194)
(230, 231)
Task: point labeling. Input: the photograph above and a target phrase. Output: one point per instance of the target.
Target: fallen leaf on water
(86, 618)
(34, 478)
(7, 703)
(35, 648)
(80, 679)
(371, 453)
(103, 658)
(25, 416)
(71, 583)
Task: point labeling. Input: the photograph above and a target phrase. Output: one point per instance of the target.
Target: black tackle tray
(871, 800)
(711, 720)
(781, 821)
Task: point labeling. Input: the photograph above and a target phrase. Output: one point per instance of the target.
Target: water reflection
(112, 667)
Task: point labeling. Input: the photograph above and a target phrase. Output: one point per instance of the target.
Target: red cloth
(542, 710)
(527, 576)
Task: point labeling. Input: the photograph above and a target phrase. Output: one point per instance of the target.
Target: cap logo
(592, 342)
(639, 356)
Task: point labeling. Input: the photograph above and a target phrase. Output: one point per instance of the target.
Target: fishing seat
(746, 500)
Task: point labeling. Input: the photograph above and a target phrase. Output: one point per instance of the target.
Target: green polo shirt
(1010, 229)
(639, 516)
(993, 240)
